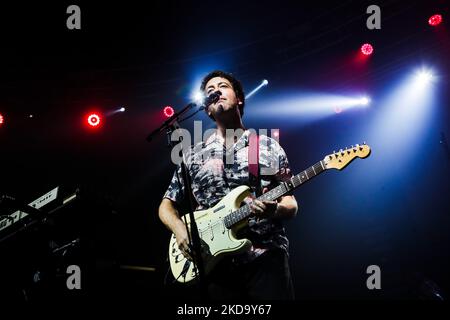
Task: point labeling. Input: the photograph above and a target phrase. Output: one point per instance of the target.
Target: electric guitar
(218, 225)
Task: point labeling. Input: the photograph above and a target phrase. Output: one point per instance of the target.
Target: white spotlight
(198, 97)
(424, 76)
(263, 83)
(364, 101)
(122, 109)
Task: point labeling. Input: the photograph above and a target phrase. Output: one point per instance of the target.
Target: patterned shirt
(213, 175)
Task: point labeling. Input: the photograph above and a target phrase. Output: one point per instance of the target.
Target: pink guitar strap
(253, 161)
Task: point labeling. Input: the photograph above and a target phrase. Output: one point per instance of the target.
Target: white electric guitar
(218, 225)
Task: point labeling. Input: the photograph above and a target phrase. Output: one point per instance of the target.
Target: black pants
(266, 278)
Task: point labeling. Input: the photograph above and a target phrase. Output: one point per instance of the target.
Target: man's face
(228, 100)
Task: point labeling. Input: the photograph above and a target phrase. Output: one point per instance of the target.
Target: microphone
(212, 98)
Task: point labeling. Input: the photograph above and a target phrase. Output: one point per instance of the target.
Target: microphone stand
(169, 126)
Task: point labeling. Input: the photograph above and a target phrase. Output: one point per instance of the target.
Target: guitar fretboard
(277, 192)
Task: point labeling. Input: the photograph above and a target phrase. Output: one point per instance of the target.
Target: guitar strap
(253, 162)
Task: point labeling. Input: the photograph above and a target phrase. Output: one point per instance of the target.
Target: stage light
(30, 116)
(308, 106)
(404, 117)
(115, 111)
(367, 49)
(263, 83)
(93, 120)
(364, 101)
(435, 20)
(337, 109)
(424, 77)
(275, 133)
(2, 119)
(168, 111)
(198, 97)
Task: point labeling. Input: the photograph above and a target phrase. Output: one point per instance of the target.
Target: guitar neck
(274, 194)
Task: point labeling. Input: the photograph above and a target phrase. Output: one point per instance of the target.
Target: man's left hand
(264, 209)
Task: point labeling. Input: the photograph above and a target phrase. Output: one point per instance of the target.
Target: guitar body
(217, 240)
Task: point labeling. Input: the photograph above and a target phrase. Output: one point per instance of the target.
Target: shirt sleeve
(276, 162)
(284, 171)
(175, 191)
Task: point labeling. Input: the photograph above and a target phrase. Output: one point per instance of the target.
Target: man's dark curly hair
(236, 84)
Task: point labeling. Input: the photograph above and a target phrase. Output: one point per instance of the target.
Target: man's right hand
(183, 239)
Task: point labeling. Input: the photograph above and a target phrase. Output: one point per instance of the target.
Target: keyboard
(7, 221)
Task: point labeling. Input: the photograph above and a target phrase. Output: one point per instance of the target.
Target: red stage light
(276, 133)
(2, 120)
(93, 120)
(168, 111)
(435, 20)
(367, 49)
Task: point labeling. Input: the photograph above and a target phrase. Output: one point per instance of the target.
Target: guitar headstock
(339, 160)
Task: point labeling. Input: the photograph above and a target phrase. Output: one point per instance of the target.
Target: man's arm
(169, 215)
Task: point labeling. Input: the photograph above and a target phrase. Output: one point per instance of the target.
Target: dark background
(145, 57)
